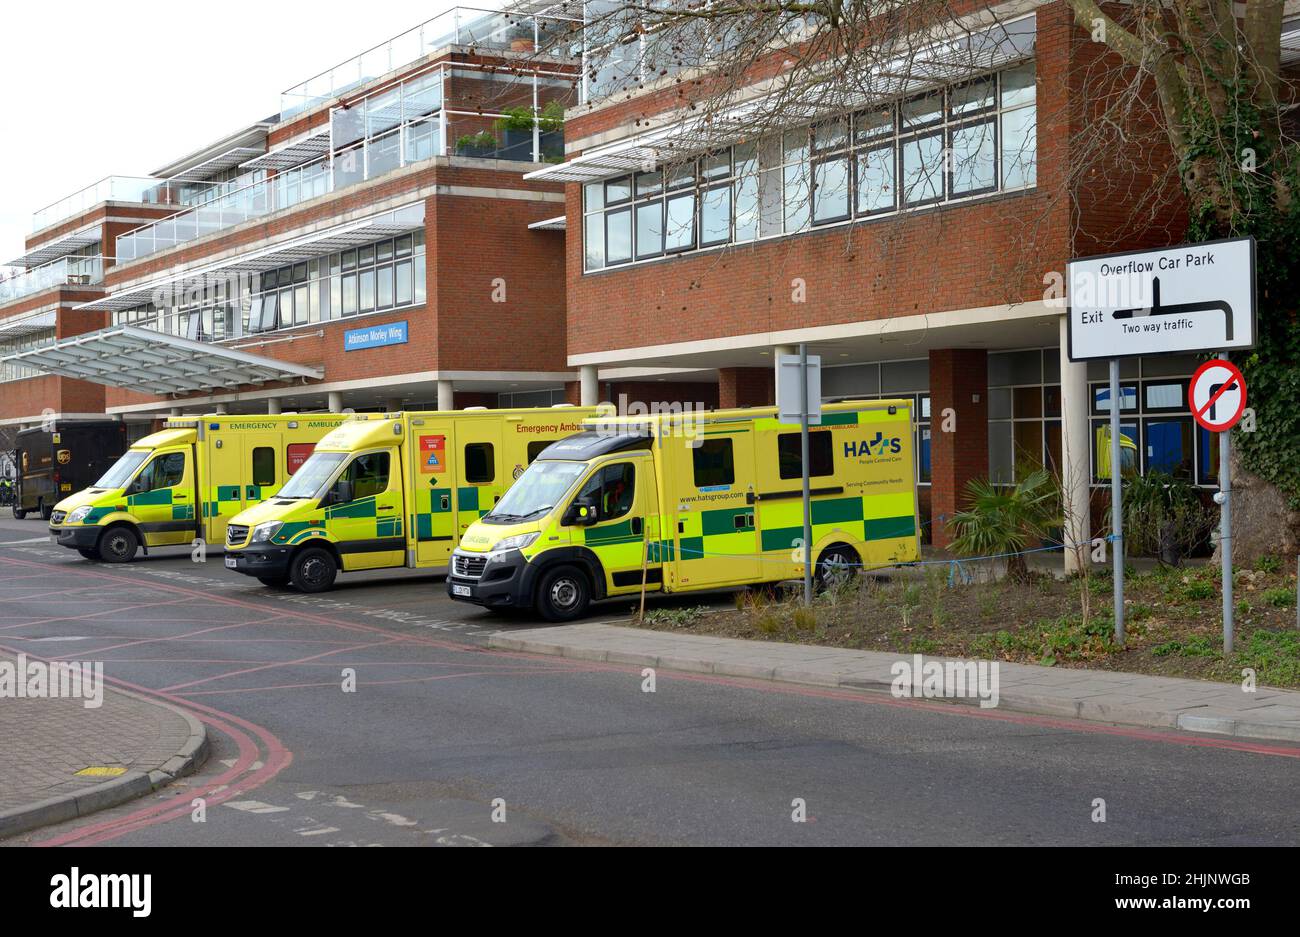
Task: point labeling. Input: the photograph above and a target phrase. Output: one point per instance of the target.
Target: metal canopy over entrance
(156, 363)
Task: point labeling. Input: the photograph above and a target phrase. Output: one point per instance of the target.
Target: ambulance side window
(163, 472)
(368, 475)
(263, 466)
(480, 464)
(789, 453)
(714, 463)
(536, 447)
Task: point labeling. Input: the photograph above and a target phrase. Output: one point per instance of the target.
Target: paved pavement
(1106, 696)
(64, 758)
(443, 740)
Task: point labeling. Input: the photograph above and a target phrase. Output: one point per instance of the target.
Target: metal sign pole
(803, 450)
(1116, 507)
(1225, 529)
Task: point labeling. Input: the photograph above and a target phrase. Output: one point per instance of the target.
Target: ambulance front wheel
(563, 594)
(118, 545)
(313, 570)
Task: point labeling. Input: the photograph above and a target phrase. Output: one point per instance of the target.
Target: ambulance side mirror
(340, 493)
(581, 513)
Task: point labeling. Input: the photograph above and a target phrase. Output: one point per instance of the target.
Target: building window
(388, 274)
(948, 144)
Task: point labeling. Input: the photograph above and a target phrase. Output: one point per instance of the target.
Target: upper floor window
(944, 145)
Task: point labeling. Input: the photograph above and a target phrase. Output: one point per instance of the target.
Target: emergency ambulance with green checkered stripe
(679, 502)
(185, 482)
(391, 490)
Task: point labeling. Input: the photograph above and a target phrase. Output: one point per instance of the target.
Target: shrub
(676, 617)
(1002, 520)
(1164, 517)
(1268, 564)
(805, 619)
(1199, 589)
(1280, 598)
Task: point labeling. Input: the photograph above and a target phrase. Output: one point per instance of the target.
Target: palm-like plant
(1000, 520)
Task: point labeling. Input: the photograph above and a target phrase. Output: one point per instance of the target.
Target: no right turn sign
(1217, 395)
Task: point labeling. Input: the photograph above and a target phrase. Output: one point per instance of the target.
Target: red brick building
(373, 245)
(454, 219)
(933, 285)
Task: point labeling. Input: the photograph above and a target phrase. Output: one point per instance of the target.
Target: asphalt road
(441, 738)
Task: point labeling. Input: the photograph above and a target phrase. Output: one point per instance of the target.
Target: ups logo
(64, 456)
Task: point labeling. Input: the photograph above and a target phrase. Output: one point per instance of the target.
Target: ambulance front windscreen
(538, 490)
(123, 469)
(312, 475)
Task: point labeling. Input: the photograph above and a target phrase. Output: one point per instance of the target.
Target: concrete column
(745, 387)
(220, 408)
(175, 411)
(777, 351)
(273, 405)
(959, 439)
(335, 404)
(588, 386)
(393, 404)
(446, 395)
(1075, 449)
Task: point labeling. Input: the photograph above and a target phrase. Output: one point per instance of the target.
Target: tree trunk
(1262, 522)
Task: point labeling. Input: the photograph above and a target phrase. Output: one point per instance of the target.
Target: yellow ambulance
(391, 490)
(185, 482)
(681, 504)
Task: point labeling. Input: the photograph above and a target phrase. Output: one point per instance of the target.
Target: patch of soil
(1173, 621)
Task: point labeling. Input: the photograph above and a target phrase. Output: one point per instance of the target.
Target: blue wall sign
(390, 333)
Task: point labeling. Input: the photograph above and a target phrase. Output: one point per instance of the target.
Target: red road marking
(279, 663)
(277, 758)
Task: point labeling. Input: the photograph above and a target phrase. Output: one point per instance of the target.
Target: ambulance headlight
(78, 515)
(263, 532)
(517, 542)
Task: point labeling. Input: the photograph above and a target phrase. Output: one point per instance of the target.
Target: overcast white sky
(98, 89)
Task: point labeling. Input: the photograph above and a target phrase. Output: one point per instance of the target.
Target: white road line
(254, 806)
(317, 831)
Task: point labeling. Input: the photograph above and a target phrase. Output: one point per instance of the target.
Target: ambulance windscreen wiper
(1177, 309)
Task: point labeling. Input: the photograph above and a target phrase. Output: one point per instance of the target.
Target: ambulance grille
(471, 567)
(236, 534)
(58, 516)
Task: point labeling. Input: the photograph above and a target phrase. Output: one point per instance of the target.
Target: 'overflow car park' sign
(1197, 297)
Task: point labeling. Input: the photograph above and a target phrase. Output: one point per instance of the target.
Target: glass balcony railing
(66, 271)
(463, 26)
(146, 190)
(264, 197)
(449, 109)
